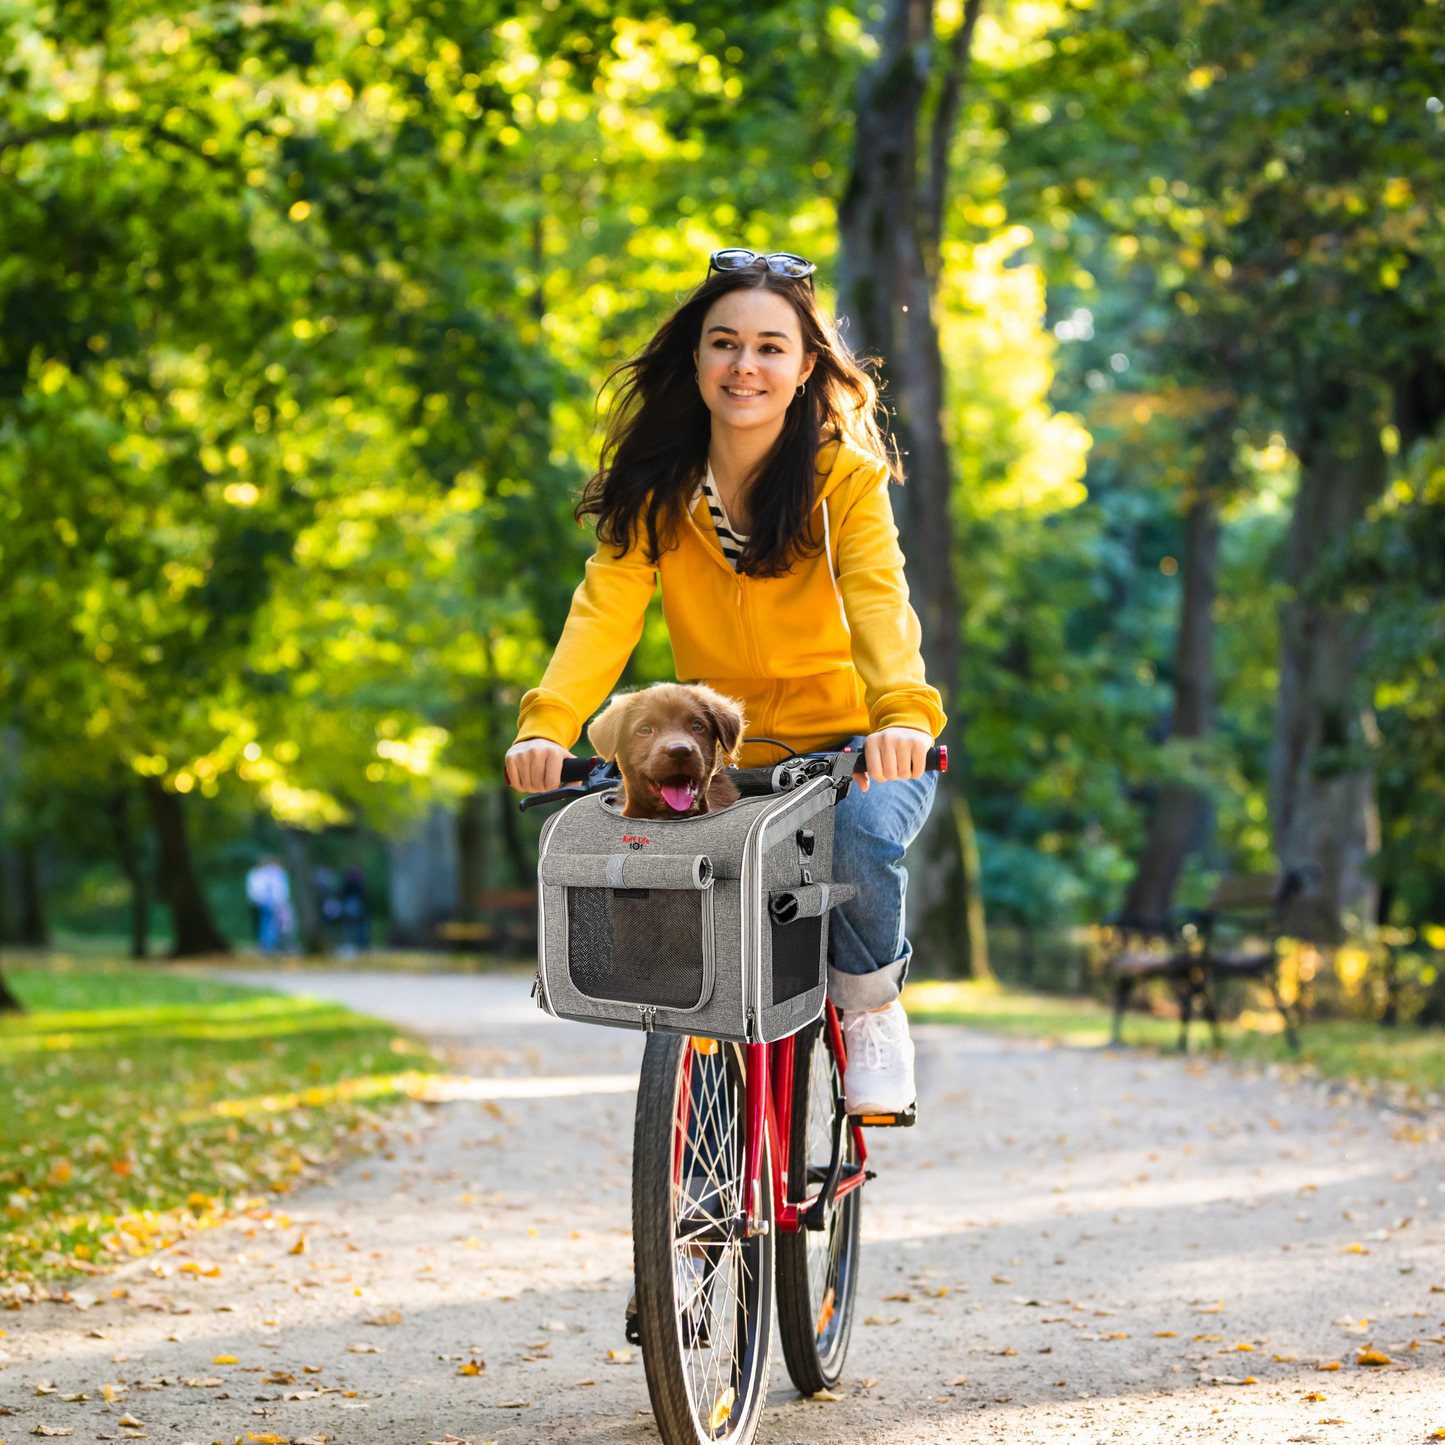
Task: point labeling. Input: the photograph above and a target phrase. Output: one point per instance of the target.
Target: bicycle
(747, 1185)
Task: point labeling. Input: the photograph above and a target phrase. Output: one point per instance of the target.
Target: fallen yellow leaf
(877, 1320)
(387, 1317)
(1314, 1397)
(1244, 1347)
(224, 1360)
(1209, 1339)
(1354, 1249)
(902, 1296)
(1333, 1365)
(299, 1247)
(1165, 1335)
(1372, 1357)
(819, 1395)
(268, 1438)
(1002, 1279)
(472, 1367)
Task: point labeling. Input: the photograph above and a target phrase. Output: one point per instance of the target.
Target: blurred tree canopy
(304, 311)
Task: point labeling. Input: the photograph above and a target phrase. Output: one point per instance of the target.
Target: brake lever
(602, 778)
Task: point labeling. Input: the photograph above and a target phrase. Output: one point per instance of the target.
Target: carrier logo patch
(635, 843)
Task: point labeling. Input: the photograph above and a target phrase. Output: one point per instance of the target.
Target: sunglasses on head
(780, 263)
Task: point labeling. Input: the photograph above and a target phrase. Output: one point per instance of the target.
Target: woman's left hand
(894, 753)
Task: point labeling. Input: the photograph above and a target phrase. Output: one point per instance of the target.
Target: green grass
(1343, 1049)
(137, 1102)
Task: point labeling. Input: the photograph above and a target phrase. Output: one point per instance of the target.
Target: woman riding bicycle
(743, 465)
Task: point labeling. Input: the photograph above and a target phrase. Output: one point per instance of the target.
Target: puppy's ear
(727, 717)
(605, 730)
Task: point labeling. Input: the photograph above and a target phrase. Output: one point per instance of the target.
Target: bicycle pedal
(901, 1119)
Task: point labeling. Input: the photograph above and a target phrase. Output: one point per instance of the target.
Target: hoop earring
(800, 390)
(696, 378)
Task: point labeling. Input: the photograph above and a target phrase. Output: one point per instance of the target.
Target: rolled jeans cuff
(857, 992)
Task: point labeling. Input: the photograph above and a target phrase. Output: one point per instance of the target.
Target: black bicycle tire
(809, 1368)
(659, 1326)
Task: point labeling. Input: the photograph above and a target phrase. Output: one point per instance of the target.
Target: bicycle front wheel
(704, 1293)
(818, 1269)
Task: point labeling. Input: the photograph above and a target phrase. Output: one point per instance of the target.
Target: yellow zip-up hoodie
(828, 651)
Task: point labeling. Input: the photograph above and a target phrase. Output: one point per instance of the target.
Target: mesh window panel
(636, 945)
(797, 955)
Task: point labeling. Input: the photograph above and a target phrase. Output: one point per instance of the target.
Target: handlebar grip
(936, 761)
(578, 770)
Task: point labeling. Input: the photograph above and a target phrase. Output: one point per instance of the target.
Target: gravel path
(1071, 1246)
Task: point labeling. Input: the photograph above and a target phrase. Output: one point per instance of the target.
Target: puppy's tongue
(677, 796)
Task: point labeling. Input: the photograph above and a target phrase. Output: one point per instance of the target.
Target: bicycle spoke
(713, 1281)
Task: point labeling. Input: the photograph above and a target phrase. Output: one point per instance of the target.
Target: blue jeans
(867, 952)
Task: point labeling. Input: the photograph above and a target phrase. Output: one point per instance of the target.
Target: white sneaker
(879, 1076)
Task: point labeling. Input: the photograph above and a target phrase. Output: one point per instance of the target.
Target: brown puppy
(671, 743)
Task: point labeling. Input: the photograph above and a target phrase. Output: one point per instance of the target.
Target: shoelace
(878, 1039)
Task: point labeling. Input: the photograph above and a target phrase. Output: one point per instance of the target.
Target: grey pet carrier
(714, 925)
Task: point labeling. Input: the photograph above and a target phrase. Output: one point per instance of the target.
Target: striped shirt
(732, 542)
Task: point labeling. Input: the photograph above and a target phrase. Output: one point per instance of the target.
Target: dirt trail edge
(1072, 1245)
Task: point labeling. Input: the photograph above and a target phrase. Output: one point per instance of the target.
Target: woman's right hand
(534, 765)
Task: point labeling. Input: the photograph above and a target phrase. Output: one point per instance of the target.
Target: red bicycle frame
(768, 1106)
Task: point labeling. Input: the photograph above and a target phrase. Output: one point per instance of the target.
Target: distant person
(327, 882)
(268, 891)
(355, 925)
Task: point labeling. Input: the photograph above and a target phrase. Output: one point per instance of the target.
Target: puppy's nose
(679, 752)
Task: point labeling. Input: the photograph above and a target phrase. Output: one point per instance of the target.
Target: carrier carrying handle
(626, 870)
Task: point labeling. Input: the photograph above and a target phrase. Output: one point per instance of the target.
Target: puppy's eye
(696, 726)
(645, 729)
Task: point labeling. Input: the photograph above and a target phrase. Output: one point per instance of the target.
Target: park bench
(512, 913)
(1195, 949)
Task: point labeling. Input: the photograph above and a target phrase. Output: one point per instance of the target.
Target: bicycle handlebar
(578, 770)
(750, 782)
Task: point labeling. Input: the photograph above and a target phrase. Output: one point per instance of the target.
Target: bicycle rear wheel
(817, 1269)
(704, 1293)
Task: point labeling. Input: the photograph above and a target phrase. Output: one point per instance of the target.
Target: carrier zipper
(649, 1019)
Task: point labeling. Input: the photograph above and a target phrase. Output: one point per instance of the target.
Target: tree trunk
(472, 855)
(424, 879)
(889, 228)
(975, 929)
(1179, 810)
(9, 999)
(128, 857)
(1322, 791)
(886, 295)
(195, 934)
(310, 932)
(524, 866)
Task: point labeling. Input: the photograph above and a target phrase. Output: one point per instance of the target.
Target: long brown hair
(654, 450)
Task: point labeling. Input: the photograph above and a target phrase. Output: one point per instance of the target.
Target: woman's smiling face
(750, 359)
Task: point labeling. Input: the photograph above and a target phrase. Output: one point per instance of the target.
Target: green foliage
(303, 312)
